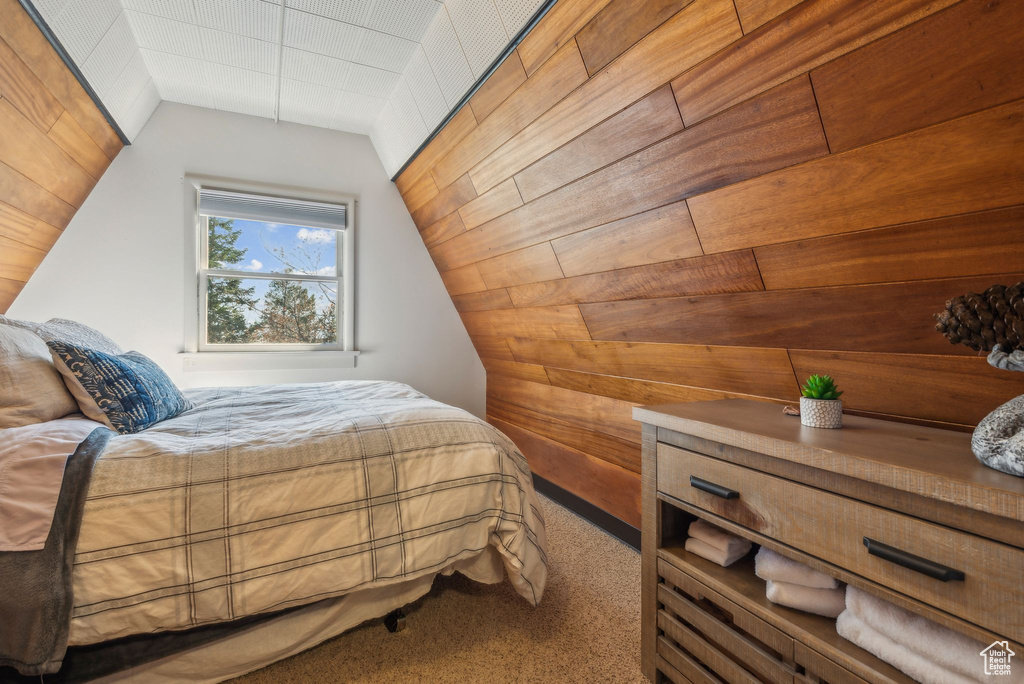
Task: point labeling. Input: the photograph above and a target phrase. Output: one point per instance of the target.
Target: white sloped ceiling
(390, 69)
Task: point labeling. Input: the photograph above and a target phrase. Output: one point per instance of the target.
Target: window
(275, 274)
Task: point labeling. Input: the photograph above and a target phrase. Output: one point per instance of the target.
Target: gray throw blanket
(35, 586)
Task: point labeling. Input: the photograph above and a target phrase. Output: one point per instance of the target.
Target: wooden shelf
(739, 584)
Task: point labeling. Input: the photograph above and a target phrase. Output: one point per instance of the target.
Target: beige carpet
(586, 629)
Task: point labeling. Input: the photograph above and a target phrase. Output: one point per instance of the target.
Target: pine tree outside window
(274, 273)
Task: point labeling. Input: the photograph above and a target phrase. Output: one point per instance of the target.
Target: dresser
(902, 511)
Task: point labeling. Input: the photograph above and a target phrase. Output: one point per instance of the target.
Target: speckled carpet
(586, 629)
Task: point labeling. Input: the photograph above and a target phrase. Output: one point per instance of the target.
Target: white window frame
(199, 273)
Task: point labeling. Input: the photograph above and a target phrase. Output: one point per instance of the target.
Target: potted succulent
(820, 406)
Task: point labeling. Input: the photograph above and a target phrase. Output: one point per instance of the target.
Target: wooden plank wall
(684, 200)
(54, 146)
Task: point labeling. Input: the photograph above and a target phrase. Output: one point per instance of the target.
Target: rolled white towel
(923, 669)
(715, 554)
(719, 538)
(941, 645)
(827, 602)
(769, 565)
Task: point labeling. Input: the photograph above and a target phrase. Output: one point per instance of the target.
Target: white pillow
(31, 389)
(78, 334)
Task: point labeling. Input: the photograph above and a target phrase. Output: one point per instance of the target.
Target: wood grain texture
(619, 25)
(641, 124)
(557, 322)
(21, 193)
(761, 372)
(28, 230)
(448, 137)
(559, 76)
(443, 229)
(955, 62)
(525, 266)
(772, 507)
(506, 78)
(449, 199)
(482, 301)
(560, 25)
(73, 139)
(9, 289)
(492, 347)
(418, 192)
(640, 391)
(662, 234)
(811, 34)
(17, 261)
(520, 371)
(463, 280)
(25, 91)
(775, 130)
(28, 151)
(24, 38)
(560, 407)
(700, 30)
(729, 272)
(498, 200)
(610, 487)
(890, 317)
(972, 244)
(756, 13)
(969, 164)
(959, 389)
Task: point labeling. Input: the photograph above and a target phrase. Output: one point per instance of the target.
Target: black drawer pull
(712, 488)
(915, 563)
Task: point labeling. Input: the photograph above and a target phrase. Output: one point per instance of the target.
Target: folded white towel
(715, 554)
(769, 565)
(827, 602)
(921, 668)
(941, 645)
(719, 538)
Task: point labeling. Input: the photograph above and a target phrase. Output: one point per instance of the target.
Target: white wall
(120, 265)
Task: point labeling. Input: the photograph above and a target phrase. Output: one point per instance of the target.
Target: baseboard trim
(583, 508)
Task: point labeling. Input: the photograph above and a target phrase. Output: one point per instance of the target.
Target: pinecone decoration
(981, 321)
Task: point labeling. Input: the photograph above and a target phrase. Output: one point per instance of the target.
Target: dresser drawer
(833, 528)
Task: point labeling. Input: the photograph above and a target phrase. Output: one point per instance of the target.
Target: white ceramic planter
(821, 413)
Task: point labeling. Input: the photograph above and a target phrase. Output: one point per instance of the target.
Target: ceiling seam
(280, 62)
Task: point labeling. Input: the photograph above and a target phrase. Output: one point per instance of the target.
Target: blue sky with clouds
(310, 251)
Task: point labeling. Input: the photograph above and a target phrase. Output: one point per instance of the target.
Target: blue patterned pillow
(128, 391)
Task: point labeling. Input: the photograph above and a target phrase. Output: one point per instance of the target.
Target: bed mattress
(261, 498)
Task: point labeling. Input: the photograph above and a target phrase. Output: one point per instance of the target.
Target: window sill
(218, 361)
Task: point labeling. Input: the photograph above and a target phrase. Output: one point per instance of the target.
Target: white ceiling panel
(480, 31)
(405, 18)
(321, 35)
(171, 9)
(238, 51)
(385, 51)
(253, 18)
(447, 60)
(349, 11)
(139, 111)
(424, 89)
(80, 24)
(516, 13)
(130, 82)
(110, 56)
(392, 69)
(161, 34)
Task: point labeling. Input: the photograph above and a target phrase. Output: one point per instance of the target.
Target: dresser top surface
(928, 461)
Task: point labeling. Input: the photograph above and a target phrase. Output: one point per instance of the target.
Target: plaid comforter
(261, 498)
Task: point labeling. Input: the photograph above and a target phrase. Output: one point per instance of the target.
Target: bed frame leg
(395, 620)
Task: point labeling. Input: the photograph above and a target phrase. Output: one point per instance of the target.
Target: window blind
(271, 209)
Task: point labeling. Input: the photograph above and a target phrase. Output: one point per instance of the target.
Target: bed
(345, 497)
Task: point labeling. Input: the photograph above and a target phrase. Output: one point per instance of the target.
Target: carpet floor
(586, 628)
